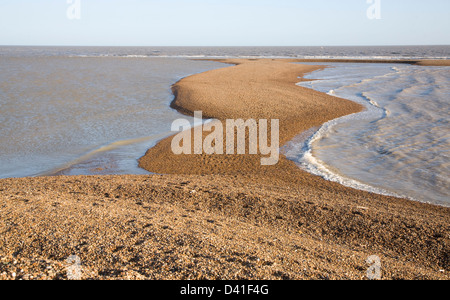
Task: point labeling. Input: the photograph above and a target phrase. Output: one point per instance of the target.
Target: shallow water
(400, 145)
(61, 115)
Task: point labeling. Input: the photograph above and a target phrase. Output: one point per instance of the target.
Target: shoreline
(222, 217)
(362, 186)
(186, 110)
(237, 61)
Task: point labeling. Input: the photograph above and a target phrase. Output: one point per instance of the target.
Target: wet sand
(222, 216)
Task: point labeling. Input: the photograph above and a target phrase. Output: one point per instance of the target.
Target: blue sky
(224, 23)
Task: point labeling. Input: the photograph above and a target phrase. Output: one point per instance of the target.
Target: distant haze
(224, 23)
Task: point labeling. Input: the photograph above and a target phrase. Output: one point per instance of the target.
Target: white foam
(397, 145)
(301, 151)
(302, 155)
